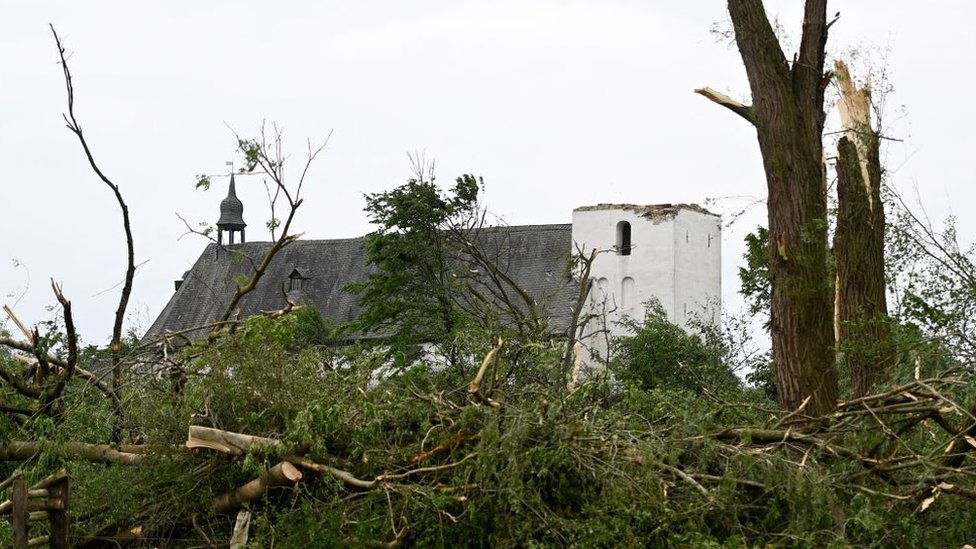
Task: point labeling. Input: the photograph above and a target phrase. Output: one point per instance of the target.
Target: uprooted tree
(788, 113)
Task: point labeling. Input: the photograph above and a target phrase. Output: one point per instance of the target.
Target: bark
(864, 340)
(789, 117)
(283, 474)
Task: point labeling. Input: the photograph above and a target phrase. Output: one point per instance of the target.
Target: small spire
(232, 191)
(231, 215)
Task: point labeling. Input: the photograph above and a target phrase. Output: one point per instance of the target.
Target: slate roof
(535, 256)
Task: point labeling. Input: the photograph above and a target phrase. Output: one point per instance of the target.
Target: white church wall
(674, 257)
(697, 267)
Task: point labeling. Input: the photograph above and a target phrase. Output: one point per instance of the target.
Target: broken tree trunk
(861, 322)
(226, 442)
(283, 474)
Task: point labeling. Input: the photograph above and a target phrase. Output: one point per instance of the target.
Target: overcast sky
(556, 104)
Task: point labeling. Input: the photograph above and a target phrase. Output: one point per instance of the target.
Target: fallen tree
(14, 450)
(425, 458)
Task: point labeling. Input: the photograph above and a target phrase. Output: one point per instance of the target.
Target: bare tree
(130, 269)
(51, 358)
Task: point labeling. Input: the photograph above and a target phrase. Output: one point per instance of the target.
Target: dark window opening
(296, 280)
(623, 238)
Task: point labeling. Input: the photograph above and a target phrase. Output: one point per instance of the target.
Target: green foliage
(203, 182)
(409, 297)
(658, 353)
(252, 152)
(754, 277)
(934, 278)
(763, 378)
(611, 464)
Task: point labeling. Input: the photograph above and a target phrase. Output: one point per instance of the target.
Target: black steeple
(231, 216)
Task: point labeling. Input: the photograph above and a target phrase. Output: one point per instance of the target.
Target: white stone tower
(671, 252)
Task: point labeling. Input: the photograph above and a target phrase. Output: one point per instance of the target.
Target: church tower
(671, 253)
(231, 216)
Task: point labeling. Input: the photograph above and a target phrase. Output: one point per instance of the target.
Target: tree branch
(745, 111)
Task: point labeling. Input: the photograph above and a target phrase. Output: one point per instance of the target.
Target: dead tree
(788, 114)
(130, 269)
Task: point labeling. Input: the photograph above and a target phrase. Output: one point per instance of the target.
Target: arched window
(600, 290)
(627, 290)
(623, 238)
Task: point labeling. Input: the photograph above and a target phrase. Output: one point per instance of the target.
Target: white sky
(556, 104)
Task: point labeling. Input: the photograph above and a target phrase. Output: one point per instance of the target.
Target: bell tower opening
(623, 238)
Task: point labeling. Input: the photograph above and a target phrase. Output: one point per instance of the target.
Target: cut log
(10, 480)
(227, 442)
(50, 480)
(283, 474)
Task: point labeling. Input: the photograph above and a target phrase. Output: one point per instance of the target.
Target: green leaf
(203, 181)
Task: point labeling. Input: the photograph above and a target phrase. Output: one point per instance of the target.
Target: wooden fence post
(58, 498)
(45, 501)
(20, 512)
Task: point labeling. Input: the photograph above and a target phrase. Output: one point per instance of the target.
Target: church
(667, 252)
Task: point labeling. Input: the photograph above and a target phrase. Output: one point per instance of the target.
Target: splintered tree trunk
(863, 335)
(788, 114)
